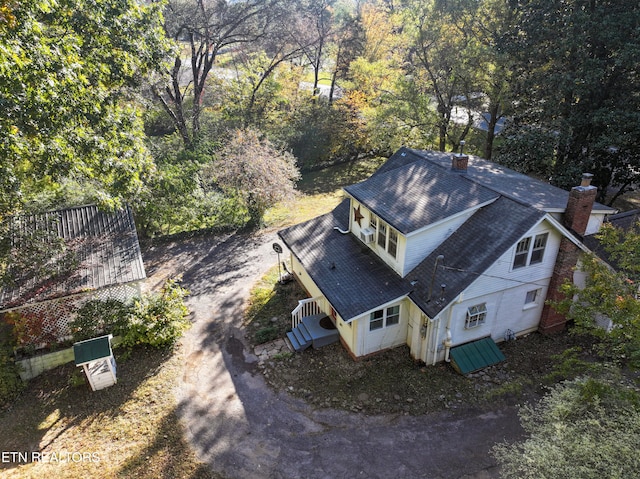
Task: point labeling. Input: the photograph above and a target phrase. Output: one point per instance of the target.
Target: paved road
(243, 429)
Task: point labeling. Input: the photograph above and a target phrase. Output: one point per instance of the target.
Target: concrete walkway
(243, 429)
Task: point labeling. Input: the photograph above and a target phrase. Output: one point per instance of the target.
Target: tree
(588, 428)
(207, 29)
(67, 73)
(253, 169)
(610, 295)
(575, 68)
(440, 65)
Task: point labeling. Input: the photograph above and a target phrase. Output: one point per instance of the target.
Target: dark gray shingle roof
(104, 245)
(469, 251)
(414, 195)
(508, 182)
(349, 274)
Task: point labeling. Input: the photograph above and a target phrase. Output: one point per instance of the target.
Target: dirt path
(243, 429)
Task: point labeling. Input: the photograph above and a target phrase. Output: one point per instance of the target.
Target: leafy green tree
(442, 67)
(254, 170)
(588, 428)
(67, 70)
(575, 66)
(609, 295)
(205, 30)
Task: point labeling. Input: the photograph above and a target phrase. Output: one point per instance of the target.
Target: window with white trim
(476, 315)
(530, 250)
(392, 247)
(386, 236)
(384, 318)
(532, 297)
(382, 234)
(539, 244)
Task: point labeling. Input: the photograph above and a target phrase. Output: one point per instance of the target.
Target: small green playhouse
(95, 356)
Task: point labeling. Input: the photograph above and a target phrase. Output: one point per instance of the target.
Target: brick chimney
(576, 219)
(460, 161)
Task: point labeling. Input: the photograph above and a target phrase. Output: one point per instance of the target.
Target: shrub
(10, 382)
(158, 320)
(98, 317)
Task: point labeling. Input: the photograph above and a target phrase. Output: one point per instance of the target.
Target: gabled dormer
(405, 210)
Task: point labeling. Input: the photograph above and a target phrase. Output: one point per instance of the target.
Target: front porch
(310, 326)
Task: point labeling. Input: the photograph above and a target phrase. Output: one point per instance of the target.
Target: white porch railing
(306, 307)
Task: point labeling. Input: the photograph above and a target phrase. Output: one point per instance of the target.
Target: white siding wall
(395, 263)
(504, 291)
(388, 337)
(501, 275)
(422, 244)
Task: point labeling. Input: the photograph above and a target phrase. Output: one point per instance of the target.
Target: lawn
(128, 430)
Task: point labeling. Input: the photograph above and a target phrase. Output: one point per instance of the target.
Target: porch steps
(311, 332)
(300, 338)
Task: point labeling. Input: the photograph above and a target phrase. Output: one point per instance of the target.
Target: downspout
(447, 340)
(435, 344)
(341, 231)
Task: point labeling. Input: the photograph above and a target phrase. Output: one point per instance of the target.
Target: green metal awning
(476, 355)
(92, 349)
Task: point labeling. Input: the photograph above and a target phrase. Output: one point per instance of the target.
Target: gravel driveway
(243, 429)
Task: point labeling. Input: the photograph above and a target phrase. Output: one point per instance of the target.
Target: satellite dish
(277, 248)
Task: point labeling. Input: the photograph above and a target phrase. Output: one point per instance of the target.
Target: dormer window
(530, 250)
(392, 247)
(382, 235)
(387, 237)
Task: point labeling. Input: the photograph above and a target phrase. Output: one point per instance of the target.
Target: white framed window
(530, 250)
(522, 253)
(392, 247)
(384, 318)
(537, 252)
(476, 315)
(382, 235)
(532, 297)
(386, 236)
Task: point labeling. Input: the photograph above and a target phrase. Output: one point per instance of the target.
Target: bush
(584, 428)
(158, 320)
(10, 382)
(97, 317)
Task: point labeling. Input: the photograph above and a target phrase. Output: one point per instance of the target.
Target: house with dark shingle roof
(103, 261)
(437, 251)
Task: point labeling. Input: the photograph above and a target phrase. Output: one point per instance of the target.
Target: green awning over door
(476, 355)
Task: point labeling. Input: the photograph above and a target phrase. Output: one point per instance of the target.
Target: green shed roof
(92, 349)
(476, 355)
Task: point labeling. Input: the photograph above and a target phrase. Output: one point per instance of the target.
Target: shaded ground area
(393, 383)
(243, 428)
(127, 430)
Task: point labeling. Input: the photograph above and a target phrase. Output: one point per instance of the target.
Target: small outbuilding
(95, 356)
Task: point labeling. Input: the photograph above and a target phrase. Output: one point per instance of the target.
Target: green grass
(130, 429)
(268, 315)
(319, 192)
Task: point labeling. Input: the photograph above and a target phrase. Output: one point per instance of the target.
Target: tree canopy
(588, 428)
(67, 69)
